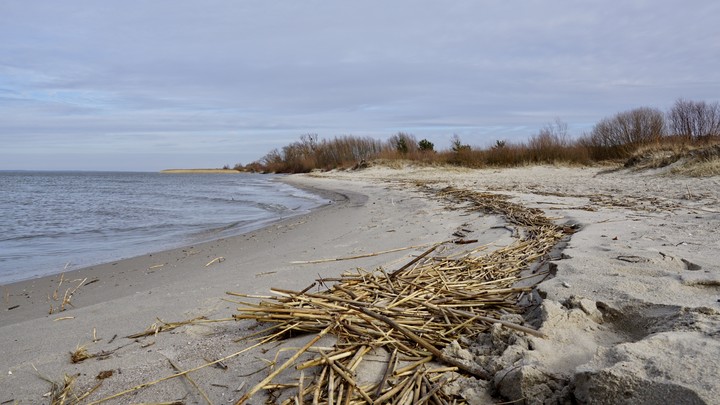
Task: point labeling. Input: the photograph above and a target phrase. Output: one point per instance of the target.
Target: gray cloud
(166, 78)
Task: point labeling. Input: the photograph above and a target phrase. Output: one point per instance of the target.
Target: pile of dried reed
(412, 313)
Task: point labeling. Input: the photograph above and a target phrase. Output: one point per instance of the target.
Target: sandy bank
(200, 171)
(633, 314)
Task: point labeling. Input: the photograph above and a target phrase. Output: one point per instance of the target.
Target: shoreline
(20, 295)
(132, 294)
(233, 226)
(622, 294)
(201, 171)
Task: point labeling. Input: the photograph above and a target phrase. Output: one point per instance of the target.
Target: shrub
(694, 120)
(403, 143)
(426, 146)
(619, 136)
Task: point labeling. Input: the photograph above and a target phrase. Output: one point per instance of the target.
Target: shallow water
(56, 221)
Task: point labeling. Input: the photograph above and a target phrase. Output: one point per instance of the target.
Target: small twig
(337, 259)
(187, 377)
(170, 377)
(388, 372)
(217, 259)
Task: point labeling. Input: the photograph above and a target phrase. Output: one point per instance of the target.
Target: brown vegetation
(628, 136)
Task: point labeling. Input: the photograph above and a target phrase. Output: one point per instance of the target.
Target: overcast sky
(147, 85)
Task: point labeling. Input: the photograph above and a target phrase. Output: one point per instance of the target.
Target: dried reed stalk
(413, 312)
(162, 326)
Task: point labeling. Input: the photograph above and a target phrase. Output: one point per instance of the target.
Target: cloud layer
(147, 85)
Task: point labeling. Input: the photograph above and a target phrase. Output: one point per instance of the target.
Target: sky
(149, 85)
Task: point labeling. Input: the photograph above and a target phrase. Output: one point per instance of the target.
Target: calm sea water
(53, 221)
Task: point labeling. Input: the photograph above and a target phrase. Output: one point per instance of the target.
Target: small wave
(272, 207)
(226, 227)
(92, 217)
(211, 232)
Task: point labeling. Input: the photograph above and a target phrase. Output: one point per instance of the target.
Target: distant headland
(201, 171)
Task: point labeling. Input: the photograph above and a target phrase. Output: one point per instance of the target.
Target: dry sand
(632, 315)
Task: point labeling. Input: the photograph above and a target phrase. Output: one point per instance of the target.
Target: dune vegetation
(686, 136)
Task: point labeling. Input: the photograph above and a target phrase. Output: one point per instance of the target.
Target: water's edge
(324, 198)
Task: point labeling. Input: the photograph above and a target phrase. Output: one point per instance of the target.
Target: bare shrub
(694, 120)
(346, 151)
(619, 136)
(549, 144)
(504, 153)
(403, 143)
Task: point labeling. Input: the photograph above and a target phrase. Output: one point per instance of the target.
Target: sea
(51, 222)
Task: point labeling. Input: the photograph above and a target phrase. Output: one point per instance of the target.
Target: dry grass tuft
(80, 354)
(703, 168)
(66, 301)
(681, 159)
(63, 393)
(162, 326)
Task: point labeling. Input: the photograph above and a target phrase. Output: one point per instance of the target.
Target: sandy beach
(632, 314)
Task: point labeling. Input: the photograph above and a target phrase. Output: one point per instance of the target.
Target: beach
(632, 314)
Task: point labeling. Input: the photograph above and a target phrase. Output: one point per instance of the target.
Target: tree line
(612, 138)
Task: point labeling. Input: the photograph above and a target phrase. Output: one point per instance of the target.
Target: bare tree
(694, 119)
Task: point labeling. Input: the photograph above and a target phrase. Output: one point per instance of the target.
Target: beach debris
(67, 297)
(464, 241)
(220, 365)
(215, 260)
(413, 312)
(95, 280)
(632, 259)
(13, 307)
(337, 259)
(191, 381)
(690, 265)
(80, 354)
(104, 374)
(63, 393)
(176, 375)
(162, 326)
(63, 318)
